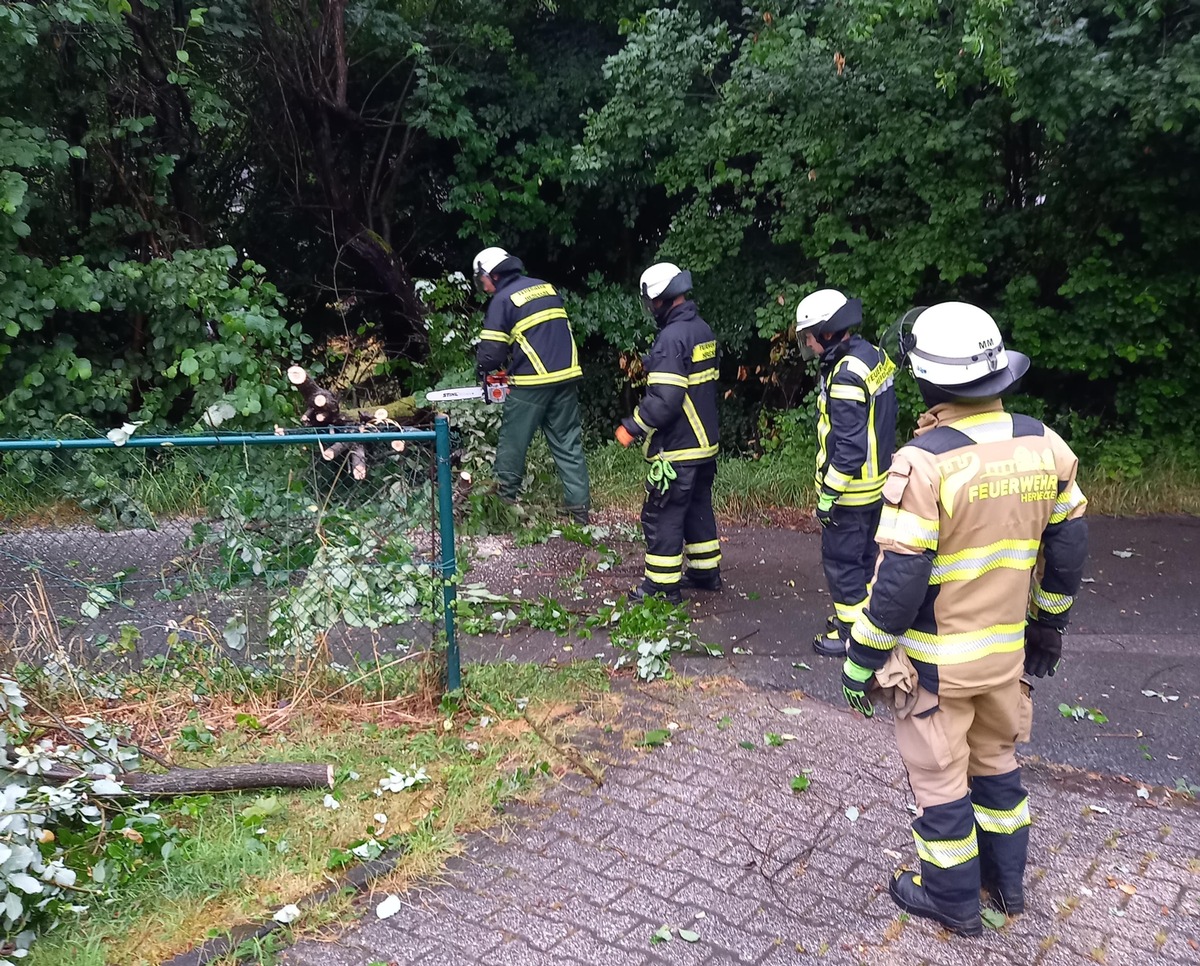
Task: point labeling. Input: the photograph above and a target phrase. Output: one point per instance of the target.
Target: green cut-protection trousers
(555, 410)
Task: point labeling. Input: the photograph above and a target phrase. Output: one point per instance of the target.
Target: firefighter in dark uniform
(677, 422)
(526, 332)
(856, 434)
(983, 545)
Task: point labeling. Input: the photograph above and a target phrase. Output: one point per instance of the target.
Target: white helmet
(958, 347)
(663, 281)
(818, 307)
(492, 260)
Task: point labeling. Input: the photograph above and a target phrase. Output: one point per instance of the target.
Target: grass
(234, 868)
(746, 489)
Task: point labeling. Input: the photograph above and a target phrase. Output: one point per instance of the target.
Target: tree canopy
(191, 195)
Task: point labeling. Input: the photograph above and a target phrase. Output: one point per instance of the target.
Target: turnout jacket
(678, 413)
(856, 421)
(525, 319)
(982, 526)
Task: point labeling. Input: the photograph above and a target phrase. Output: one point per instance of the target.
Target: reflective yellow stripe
(561, 375)
(695, 453)
(947, 853)
(707, 563)
(871, 468)
(1003, 821)
(693, 418)
(537, 318)
(882, 376)
(906, 528)
(666, 379)
(835, 479)
(967, 646)
(972, 563)
(495, 335)
(848, 613)
(849, 393)
(1049, 603)
(659, 577)
(531, 293)
(870, 634)
(706, 547)
(1068, 501)
(861, 493)
(658, 560)
(854, 365)
(637, 418)
(704, 375)
(985, 427)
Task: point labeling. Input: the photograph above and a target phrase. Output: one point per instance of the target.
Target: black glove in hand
(824, 511)
(1043, 649)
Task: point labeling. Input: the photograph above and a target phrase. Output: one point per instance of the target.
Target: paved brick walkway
(706, 835)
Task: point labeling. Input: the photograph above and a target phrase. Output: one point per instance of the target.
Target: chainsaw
(493, 390)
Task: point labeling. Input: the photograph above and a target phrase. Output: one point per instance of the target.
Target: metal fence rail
(264, 544)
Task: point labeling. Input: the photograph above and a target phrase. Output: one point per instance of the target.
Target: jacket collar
(684, 312)
(945, 413)
(830, 357)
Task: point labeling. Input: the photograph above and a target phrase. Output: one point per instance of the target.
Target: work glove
(855, 679)
(824, 512)
(624, 436)
(1043, 649)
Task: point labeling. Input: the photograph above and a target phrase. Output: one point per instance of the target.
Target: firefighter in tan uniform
(982, 545)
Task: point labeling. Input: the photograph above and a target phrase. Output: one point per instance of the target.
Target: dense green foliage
(159, 162)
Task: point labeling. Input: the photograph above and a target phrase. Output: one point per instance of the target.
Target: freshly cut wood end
(398, 445)
(296, 375)
(320, 400)
(329, 780)
(327, 453)
(280, 431)
(381, 414)
(360, 472)
(465, 476)
(321, 417)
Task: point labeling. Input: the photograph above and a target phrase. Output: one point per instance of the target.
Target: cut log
(195, 781)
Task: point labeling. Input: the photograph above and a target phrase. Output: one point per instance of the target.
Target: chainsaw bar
(446, 395)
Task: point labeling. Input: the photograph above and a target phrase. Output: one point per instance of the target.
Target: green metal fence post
(449, 564)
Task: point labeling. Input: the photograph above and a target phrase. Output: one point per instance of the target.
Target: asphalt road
(1136, 628)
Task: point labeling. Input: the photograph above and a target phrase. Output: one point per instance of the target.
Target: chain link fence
(270, 546)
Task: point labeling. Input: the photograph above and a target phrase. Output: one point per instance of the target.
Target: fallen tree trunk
(195, 781)
(324, 411)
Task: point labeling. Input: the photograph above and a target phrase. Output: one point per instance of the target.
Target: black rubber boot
(701, 580)
(909, 894)
(640, 593)
(830, 644)
(1009, 900)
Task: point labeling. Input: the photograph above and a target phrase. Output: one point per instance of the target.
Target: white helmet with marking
(957, 347)
(663, 283)
(817, 308)
(492, 260)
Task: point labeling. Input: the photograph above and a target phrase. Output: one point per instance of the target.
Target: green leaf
(182, 56)
(724, 723)
(688, 936)
(661, 935)
(993, 918)
(748, 745)
(655, 738)
(189, 366)
(263, 808)
(800, 783)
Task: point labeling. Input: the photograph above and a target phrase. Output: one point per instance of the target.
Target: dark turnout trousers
(553, 409)
(682, 523)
